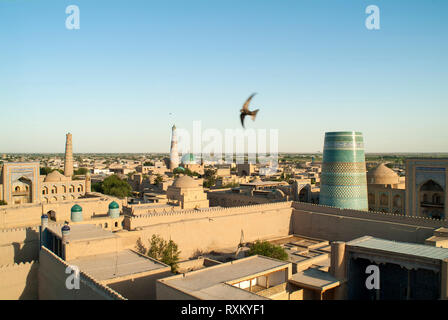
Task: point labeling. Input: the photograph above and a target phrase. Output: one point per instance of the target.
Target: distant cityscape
(305, 228)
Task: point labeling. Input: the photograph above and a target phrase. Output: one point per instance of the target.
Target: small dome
(185, 182)
(55, 176)
(189, 158)
(113, 205)
(381, 174)
(44, 216)
(65, 228)
(76, 208)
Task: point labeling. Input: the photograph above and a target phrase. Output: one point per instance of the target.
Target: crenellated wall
(19, 245)
(52, 282)
(227, 199)
(344, 224)
(215, 229)
(133, 222)
(19, 281)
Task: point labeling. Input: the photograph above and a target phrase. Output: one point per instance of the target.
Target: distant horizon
(167, 153)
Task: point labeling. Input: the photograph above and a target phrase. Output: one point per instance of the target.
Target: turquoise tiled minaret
(343, 179)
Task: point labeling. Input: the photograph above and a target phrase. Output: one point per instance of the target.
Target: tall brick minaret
(68, 164)
(174, 155)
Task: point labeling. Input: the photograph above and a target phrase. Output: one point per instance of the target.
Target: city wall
(342, 224)
(19, 281)
(19, 245)
(226, 199)
(215, 229)
(52, 282)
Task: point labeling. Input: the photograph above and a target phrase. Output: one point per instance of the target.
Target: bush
(162, 250)
(267, 249)
(3, 203)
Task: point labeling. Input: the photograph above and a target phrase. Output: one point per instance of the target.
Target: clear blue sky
(315, 66)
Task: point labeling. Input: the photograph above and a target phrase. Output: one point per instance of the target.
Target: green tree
(268, 249)
(148, 164)
(114, 186)
(3, 203)
(158, 180)
(209, 178)
(97, 187)
(46, 170)
(185, 171)
(80, 171)
(162, 250)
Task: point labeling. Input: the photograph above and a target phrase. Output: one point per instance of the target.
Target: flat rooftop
(263, 183)
(211, 283)
(403, 248)
(314, 279)
(83, 232)
(116, 264)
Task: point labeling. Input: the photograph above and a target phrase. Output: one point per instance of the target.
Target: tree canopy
(46, 170)
(162, 250)
(268, 249)
(80, 171)
(113, 186)
(209, 178)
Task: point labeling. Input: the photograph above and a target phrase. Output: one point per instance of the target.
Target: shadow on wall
(28, 250)
(30, 290)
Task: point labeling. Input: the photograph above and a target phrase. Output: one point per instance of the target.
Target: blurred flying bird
(246, 112)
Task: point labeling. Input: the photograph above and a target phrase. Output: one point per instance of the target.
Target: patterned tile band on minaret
(343, 177)
(68, 164)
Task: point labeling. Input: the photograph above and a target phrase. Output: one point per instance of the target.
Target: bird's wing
(246, 104)
(242, 115)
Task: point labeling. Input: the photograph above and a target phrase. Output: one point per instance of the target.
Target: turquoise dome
(113, 205)
(76, 208)
(76, 214)
(189, 158)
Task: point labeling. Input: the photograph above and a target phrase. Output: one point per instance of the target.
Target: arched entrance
(432, 202)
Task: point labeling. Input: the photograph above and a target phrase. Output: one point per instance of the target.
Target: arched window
(17, 189)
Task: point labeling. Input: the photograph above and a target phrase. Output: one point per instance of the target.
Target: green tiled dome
(113, 205)
(76, 208)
